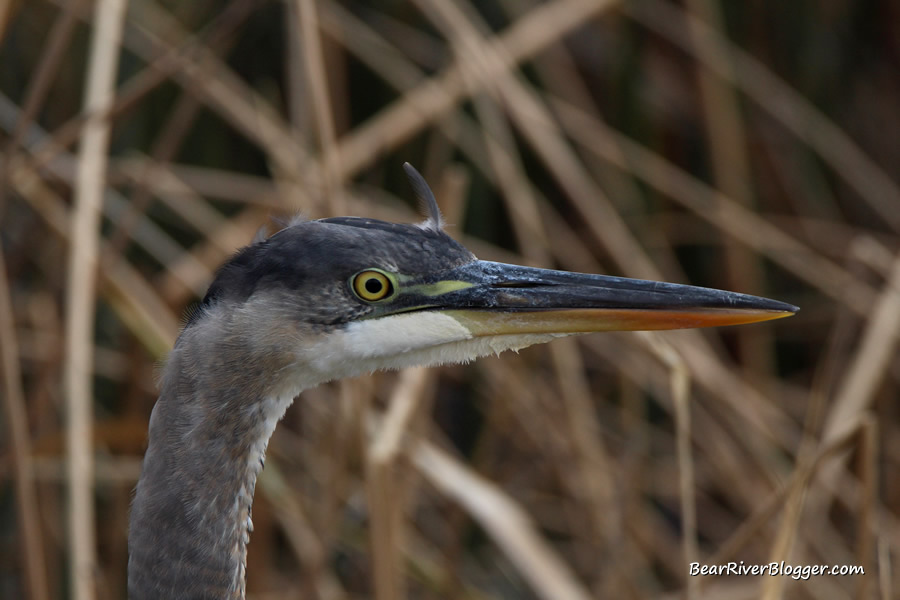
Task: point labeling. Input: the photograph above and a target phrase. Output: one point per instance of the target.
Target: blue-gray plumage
(334, 298)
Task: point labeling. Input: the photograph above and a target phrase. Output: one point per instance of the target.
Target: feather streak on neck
(191, 517)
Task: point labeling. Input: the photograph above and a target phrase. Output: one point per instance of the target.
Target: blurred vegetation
(744, 145)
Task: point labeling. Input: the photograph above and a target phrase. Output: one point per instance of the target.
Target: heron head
(351, 295)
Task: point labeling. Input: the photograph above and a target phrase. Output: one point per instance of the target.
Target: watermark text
(775, 569)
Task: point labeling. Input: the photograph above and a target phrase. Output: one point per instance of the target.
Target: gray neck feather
(190, 522)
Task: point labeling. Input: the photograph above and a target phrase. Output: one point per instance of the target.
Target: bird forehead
(334, 245)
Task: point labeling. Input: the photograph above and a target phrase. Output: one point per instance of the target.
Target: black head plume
(434, 220)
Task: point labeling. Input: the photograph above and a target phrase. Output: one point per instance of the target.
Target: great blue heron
(334, 298)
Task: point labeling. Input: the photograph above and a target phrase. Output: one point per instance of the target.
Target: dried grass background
(747, 146)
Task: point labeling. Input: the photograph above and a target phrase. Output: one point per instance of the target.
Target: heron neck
(191, 518)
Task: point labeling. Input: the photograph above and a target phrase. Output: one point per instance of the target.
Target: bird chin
(463, 351)
(426, 338)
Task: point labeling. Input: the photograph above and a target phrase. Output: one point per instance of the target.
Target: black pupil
(373, 285)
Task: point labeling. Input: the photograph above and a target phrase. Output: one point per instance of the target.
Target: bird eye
(371, 285)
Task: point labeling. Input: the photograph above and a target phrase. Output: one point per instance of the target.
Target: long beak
(496, 299)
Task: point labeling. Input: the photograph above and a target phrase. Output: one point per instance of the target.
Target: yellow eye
(372, 285)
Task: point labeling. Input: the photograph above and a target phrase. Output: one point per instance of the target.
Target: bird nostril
(520, 284)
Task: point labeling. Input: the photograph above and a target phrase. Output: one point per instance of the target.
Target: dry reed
(722, 144)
